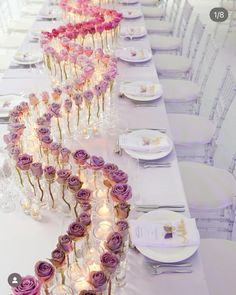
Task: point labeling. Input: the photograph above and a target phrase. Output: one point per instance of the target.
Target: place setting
(167, 240)
(134, 55)
(26, 59)
(141, 93)
(128, 2)
(130, 14)
(133, 32)
(148, 146)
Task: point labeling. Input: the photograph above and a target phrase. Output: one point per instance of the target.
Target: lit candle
(104, 228)
(94, 267)
(82, 285)
(104, 211)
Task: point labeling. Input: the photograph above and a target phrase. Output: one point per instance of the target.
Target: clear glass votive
(61, 290)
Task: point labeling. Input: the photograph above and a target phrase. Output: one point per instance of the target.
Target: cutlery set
(167, 268)
(149, 207)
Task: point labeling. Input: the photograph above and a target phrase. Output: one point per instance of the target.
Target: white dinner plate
(135, 55)
(50, 15)
(133, 32)
(158, 90)
(149, 155)
(131, 13)
(27, 58)
(35, 33)
(166, 255)
(8, 102)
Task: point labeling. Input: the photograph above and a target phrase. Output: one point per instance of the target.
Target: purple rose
(96, 163)
(85, 206)
(83, 195)
(65, 155)
(24, 161)
(55, 148)
(65, 243)
(74, 183)
(63, 175)
(122, 227)
(80, 157)
(58, 257)
(84, 218)
(122, 210)
(11, 138)
(42, 131)
(109, 167)
(36, 169)
(78, 99)
(88, 96)
(114, 242)
(98, 280)
(49, 173)
(109, 262)
(46, 140)
(25, 106)
(76, 230)
(44, 271)
(28, 286)
(42, 122)
(48, 117)
(16, 128)
(55, 109)
(121, 192)
(118, 176)
(67, 105)
(14, 151)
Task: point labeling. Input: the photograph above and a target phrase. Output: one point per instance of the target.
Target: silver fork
(159, 271)
(155, 266)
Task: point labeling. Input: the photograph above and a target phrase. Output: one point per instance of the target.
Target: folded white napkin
(136, 54)
(132, 31)
(145, 89)
(146, 144)
(150, 233)
(7, 103)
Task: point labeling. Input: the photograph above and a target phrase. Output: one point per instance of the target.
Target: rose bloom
(76, 230)
(80, 157)
(122, 227)
(84, 218)
(83, 195)
(63, 175)
(74, 183)
(87, 292)
(58, 258)
(24, 161)
(44, 271)
(98, 280)
(121, 192)
(65, 243)
(109, 262)
(28, 286)
(109, 167)
(49, 173)
(36, 169)
(114, 242)
(96, 163)
(122, 210)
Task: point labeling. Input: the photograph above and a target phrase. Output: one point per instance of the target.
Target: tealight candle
(82, 285)
(104, 228)
(104, 211)
(26, 205)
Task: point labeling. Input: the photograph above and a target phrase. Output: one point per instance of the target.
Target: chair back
(5, 15)
(232, 165)
(204, 68)
(223, 100)
(228, 4)
(174, 11)
(184, 19)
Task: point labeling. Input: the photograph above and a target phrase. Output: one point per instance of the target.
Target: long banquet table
(25, 241)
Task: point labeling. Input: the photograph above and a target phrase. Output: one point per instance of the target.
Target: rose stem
(68, 122)
(61, 78)
(21, 180)
(40, 150)
(75, 68)
(75, 209)
(68, 260)
(63, 197)
(93, 42)
(89, 114)
(62, 277)
(28, 176)
(95, 179)
(75, 251)
(64, 69)
(59, 128)
(78, 115)
(50, 192)
(98, 111)
(108, 190)
(42, 193)
(109, 286)
(46, 289)
(103, 102)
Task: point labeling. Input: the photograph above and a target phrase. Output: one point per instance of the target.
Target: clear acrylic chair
(157, 12)
(166, 26)
(195, 136)
(29, 8)
(184, 96)
(230, 5)
(172, 66)
(211, 194)
(173, 43)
